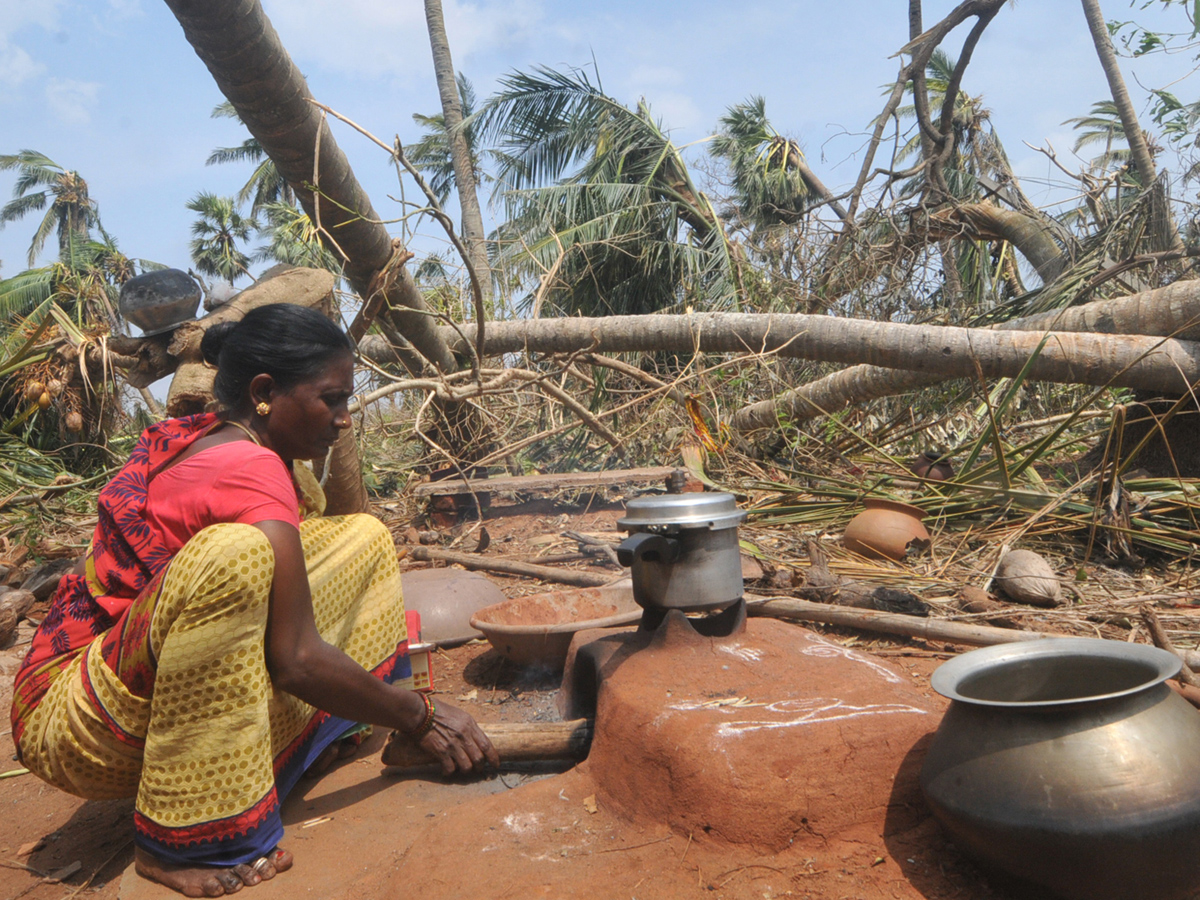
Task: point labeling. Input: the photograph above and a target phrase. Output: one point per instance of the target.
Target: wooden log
(1188, 692)
(521, 742)
(510, 567)
(892, 623)
(13, 605)
(564, 481)
(1159, 636)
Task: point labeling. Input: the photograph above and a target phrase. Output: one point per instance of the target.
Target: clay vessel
(159, 301)
(1069, 763)
(886, 529)
(931, 466)
(537, 630)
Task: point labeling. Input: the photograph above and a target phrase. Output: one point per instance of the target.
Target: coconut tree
(216, 235)
(1122, 105)
(772, 182)
(293, 239)
(973, 170)
(265, 184)
(84, 285)
(603, 215)
(466, 176)
(42, 184)
(977, 151)
(431, 154)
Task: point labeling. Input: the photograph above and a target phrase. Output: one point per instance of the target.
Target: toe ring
(261, 864)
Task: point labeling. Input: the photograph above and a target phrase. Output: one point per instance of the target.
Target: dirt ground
(362, 831)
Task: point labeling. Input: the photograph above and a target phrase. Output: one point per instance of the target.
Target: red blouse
(233, 482)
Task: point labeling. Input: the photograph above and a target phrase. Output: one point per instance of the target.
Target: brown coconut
(1026, 577)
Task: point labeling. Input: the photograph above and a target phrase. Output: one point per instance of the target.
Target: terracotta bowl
(886, 529)
(537, 630)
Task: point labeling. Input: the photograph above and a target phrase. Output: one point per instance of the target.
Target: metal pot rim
(947, 677)
(668, 513)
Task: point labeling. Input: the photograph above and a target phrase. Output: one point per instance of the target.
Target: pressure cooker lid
(671, 512)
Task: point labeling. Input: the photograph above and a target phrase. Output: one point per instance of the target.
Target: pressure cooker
(683, 550)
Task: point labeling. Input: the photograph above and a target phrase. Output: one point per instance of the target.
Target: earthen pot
(886, 529)
(931, 466)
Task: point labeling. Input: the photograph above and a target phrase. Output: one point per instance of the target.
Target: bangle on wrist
(426, 725)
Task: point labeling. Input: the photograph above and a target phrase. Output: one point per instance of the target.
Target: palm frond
(18, 208)
(250, 150)
(24, 292)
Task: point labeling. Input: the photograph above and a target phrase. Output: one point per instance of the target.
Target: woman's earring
(263, 409)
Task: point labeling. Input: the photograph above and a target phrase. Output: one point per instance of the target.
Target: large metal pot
(1068, 762)
(159, 301)
(683, 551)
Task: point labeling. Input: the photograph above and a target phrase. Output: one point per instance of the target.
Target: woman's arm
(303, 664)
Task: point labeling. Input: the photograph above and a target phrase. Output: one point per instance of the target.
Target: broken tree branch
(890, 623)
(510, 567)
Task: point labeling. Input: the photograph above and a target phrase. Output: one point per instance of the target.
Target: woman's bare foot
(338, 750)
(207, 881)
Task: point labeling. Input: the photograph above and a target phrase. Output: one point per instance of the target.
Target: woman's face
(307, 418)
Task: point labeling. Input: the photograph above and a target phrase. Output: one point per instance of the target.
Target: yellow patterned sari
(173, 703)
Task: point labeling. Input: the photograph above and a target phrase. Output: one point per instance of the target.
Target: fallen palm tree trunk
(510, 567)
(518, 742)
(891, 623)
(1170, 311)
(908, 356)
(236, 41)
(1147, 363)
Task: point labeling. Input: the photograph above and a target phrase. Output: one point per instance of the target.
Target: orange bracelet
(426, 725)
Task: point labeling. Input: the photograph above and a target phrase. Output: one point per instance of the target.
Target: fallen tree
(235, 40)
(912, 361)
(1148, 363)
(1172, 311)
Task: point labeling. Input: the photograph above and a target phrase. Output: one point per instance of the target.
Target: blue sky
(112, 89)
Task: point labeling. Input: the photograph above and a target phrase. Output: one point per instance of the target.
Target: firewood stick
(891, 623)
(521, 742)
(1188, 692)
(1158, 634)
(13, 605)
(511, 567)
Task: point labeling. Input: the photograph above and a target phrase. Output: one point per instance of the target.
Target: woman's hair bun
(214, 340)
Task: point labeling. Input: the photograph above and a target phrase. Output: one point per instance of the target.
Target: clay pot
(886, 529)
(931, 466)
(1068, 762)
(159, 301)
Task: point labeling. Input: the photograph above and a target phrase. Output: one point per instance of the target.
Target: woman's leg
(207, 789)
(172, 703)
(355, 585)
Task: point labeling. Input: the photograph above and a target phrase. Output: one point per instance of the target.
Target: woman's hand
(458, 743)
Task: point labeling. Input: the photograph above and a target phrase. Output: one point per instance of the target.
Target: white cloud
(71, 101)
(374, 38)
(16, 65)
(125, 9)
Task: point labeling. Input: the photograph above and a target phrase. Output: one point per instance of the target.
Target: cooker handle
(647, 546)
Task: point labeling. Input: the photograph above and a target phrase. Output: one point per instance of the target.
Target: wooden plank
(533, 483)
(512, 567)
(891, 623)
(515, 742)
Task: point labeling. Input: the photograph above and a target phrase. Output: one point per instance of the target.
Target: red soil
(671, 804)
